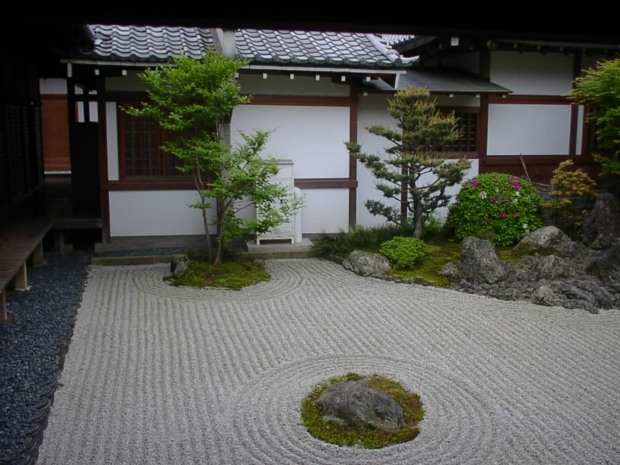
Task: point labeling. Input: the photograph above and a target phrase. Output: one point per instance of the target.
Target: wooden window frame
(154, 168)
(472, 135)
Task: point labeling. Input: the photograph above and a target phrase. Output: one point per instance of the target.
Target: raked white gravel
(158, 375)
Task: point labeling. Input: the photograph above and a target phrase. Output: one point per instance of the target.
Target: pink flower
(504, 214)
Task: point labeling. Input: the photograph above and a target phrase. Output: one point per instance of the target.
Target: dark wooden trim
(539, 167)
(530, 100)
(20, 247)
(103, 166)
(483, 126)
(105, 215)
(134, 96)
(165, 183)
(325, 183)
(353, 117)
(301, 100)
(153, 183)
(574, 123)
(534, 159)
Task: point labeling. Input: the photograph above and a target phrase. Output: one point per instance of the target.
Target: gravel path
(162, 375)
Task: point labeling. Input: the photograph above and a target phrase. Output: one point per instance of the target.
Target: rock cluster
(553, 270)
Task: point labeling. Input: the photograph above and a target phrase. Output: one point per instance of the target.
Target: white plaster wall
(325, 210)
(112, 141)
(532, 73)
(312, 137)
(154, 213)
(300, 85)
(529, 129)
(580, 123)
(372, 110)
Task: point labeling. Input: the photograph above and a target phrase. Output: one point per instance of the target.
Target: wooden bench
(21, 245)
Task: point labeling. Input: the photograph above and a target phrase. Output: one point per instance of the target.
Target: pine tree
(414, 175)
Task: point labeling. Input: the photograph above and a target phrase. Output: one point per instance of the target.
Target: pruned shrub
(496, 206)
(404, 252)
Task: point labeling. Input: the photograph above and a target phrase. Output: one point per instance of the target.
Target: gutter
(300, 69)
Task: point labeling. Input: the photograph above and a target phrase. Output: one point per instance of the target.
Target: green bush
(344, 242)
(404, 252)
(496, 206)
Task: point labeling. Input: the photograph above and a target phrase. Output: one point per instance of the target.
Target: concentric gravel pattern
(162, 375)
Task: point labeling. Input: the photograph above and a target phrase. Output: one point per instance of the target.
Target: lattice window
(468, 126)
(140, 141)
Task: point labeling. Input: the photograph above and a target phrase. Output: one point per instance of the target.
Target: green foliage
(600, 87)
(192, 101)
(404, 252)
(413, 175)
(496, 206)
(233, 275)
(344, 242)
(246, 180)
(572, 197)
(367, 438)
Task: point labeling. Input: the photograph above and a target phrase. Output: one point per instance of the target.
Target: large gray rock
(356, 405)
(479, 262)
(367, 263)
(549, 240)
(607, 266)
(602, 227)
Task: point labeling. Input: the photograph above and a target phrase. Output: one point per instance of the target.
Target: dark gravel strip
(34, 345)
(32, 351)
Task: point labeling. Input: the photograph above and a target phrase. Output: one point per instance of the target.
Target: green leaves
(496, 206)
(600, 87)
(412, 163)
(192, 100)
(404, 252)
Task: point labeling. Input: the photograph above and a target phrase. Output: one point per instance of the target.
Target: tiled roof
(148, 43)
(395, 39)
(315, 48)
(152, 44)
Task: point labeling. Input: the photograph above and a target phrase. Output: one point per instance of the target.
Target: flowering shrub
(404, 252)
(495, 206)
(572, 197)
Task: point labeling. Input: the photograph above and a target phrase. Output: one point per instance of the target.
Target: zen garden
(497, 209)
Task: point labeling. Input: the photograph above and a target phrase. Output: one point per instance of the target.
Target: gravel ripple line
(283, 281)
(458, 428)
(499, 387)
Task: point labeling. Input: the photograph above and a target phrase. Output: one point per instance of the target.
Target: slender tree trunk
(205, 222)
(417, 215)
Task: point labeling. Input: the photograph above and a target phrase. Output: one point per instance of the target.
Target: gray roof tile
(151, 44)
(448, 80)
